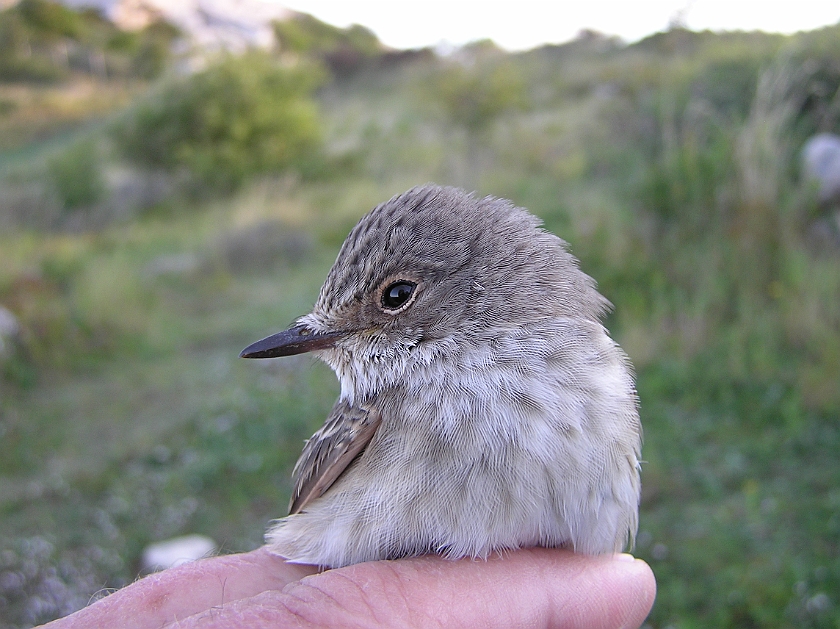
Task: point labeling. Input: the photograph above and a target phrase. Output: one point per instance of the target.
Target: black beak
(296, 340)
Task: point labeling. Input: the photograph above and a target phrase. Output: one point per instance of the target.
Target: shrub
(475, 97)
(43, 41)
(238, 118)
(76, 175)
(343, 50)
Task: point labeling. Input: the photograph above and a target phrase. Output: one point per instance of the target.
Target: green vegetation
(76, 175)
(343, 50)
(475, 96)
(669, 165)
(44, 41)
(236, 119)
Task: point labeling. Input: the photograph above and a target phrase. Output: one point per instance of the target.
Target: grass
(165, 419)
(31, 115)
(129, 418)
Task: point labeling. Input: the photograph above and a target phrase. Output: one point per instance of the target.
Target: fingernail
(625, 557)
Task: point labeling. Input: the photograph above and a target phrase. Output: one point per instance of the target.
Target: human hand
(525, 588)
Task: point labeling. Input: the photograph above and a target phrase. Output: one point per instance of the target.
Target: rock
(213, 25)
(176, 551)
(9, 332)
(821, 164)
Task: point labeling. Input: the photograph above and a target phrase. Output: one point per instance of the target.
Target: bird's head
(427, 272)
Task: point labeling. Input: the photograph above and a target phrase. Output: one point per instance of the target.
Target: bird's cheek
(338, 358)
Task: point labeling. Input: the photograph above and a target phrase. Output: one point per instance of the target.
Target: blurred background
(176, 179)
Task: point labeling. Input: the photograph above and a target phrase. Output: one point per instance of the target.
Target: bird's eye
(396, 295)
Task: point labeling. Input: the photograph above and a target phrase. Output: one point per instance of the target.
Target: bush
(50, 20)
(475, 97)
(343, 50)
(76, 175)
(43, 41)
(236, 119)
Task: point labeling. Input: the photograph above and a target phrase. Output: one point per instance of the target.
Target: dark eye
(397, 294)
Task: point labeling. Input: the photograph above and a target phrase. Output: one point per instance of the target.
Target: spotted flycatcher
(483, 404)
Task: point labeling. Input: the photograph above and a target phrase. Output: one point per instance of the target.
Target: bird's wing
(327, 454)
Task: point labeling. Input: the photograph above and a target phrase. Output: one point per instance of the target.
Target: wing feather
(347, 432)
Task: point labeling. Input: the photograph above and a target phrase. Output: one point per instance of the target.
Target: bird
(483, 405)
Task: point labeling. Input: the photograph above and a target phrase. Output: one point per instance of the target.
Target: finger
(533, 588)
(528, 588)
(186, 590)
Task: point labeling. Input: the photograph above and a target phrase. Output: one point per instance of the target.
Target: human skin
(526, 588)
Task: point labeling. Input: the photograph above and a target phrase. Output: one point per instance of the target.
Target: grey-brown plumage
(483, 405)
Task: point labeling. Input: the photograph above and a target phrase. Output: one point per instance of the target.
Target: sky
(525, 24)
